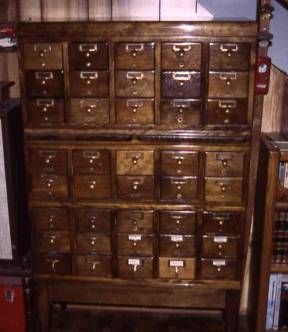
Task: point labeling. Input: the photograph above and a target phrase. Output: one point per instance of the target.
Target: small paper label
(176, 238)
(134, 237)
(220, 239)
(176, 263)
(219, 263)
(134, 262)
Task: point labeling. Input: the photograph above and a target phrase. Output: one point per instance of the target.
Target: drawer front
(178, 189)
(134, 55)
(135, 111)
(226, 112)
(135, 244)
(135, 162)
(181, 84)
(89, 84)
(223, 190)
(45, 84)
(181, 56)
(224, 164)
(179, 163)
(45, 112)
(88, 56)
(90, 112)
(136, 187)
(93, 265)
(48, 186)
(177, 268)
(135, 221)
(43, 56)
(177, 245)
(219, 246)
(228, 56)
(93, 220)
(93, 243)
(226, 223)
(44, 218)
(135, 84)
(47, 161)
(180, 112)
(89, 187)
(177, 222)
(219, 269)
(52, 264)
(52, 242)
(91, 161)
(225, 84)
(135, 267)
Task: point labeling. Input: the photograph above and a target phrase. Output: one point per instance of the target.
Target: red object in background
(12, 310)
(262, 76)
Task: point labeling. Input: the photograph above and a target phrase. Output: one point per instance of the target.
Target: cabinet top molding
(139, 29)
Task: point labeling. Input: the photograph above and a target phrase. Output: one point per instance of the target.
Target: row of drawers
(174, 55)
(135, 267)
(132, 84)
(176, 112)
(135, 162)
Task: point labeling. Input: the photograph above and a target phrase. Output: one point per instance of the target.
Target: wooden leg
(231, 313)
(43, 307)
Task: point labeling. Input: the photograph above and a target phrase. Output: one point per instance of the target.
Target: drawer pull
(183, 76)
(93, 241)
(229, 48)
(44, 75)
(220, 239)
(181, 48)
(88, 48)
(134, 237)
(228, 76)
(219, 263)
(135, 263)
(91, 155)
(134, 103)
(134, 47)
(227, 104)
(42, 49)
(45, 102)
(180, 103)
(88, 75)
(134, 76)
(176, 238)
(93, 262)
(92, 184)
(178, 182)
(53, 263)
(177, 265)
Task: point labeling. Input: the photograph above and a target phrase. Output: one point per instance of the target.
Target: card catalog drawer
(172, 222)
(177, 245)
(181, 56)
(226, 223)
(48, 187)
(47, 161)
(135, 244)
(135, 111)
(135, 162)
(52, 263)
(180, 189)
(219, 246)
(93, 265)
(134, 55)
(49, 218)
(177, 268)
(224, 164)
(135, 267)
(136, 187)
(88, 56)
(89, 84)
(93, 243)
(89, 112)
(91, 161)
(224, 190)
(135, 221)
(43, 56)
(229, 56)
(93, 220)
(228, 84)
(179, 163)
(52, 242)
(219, 269)
(181, 84)
(135, 84)
(90, 187)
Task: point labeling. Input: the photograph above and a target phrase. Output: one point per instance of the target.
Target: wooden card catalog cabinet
(138, 150)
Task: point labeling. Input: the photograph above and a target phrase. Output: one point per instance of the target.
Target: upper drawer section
(135, 162)
(43, 56)
(229, 56)
(91, 161)
(224, 164)
(134, 55)
(179, 163)
(181, 56)
(88, 56)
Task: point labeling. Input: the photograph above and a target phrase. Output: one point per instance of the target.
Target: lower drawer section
(223, 269)
(177, 268)
(94, 265)
(52, 264)
(135, 267)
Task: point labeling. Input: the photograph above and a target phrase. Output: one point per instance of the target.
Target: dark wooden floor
(83, 320)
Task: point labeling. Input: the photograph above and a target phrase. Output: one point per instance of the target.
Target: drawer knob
(135, 221)
(43, 82)
(180, 119)
(179, 162)
(134, 53)
(181, 83)
(227, 111)
(44, 109)
(179, 187)
(88, 82)
(224, 162)
(92, 185)
(229, 54)
(134, 244)
(88, 64)
(228, 82)
(178, 222)
(41, 53)
(134, 81)
(87, 54)
(53, 263)
(135, 187)
(179, 196)
(219, 269)
(181, 53)
(135, 161)
(134, 109)
(181, 65)
(223, 188)
(177, 245)
(220, 223)
(220, 246)
(226, 120)
(43, 64)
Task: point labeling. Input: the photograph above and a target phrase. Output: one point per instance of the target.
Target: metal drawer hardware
(91, 260)
(178, 183)
(135, 263)
(51, 238)
(88, 48)
(222, 185)
(136, 183)
(179, 159)
(44, 75)
(134, 157)
(229, 49)
(181, 49)
(92, 184)
(45, 103)
(92, 221)
(134, 237)
(134, 48)
(224, 158)
(176, 265)
(134, 76)
(183, 76)
(228, 77)
(91, 155)
(221, 216)
(177, 238)
(219, 264)
(88, 75)
(53, 263)
(135, 104)
(42, 48)
(220, 239)
(179, 103)
(90, 108)
(227, 103)
(51, 221)
(93, 240)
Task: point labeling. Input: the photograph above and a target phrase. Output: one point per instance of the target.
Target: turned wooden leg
(231, 313)
(43, 307)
